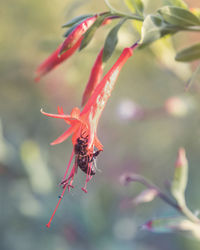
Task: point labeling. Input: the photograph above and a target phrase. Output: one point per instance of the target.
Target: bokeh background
(141, 128)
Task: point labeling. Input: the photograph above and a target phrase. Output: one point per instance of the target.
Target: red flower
(95, 77)
(65, 50)
(53, 60)
(79, 126)
(78, 32)
(86, 122)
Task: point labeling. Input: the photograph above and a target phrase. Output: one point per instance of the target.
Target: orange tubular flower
(65, 50)
(86, 122)
(95, 77)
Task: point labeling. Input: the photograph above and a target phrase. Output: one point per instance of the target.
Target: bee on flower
(83, 125)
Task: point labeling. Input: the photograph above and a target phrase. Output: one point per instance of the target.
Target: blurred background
(147, 119)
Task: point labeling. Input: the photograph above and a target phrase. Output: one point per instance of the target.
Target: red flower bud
(95, 77)
(53, 60)
(76, 34)
(65, 50)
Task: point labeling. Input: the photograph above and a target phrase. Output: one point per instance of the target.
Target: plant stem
(181, 207)
(186, 211)
(122, 14)
(192, 28)
(135, 17)
(150, 185)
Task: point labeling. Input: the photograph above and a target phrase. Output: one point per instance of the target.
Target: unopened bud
(181, 159)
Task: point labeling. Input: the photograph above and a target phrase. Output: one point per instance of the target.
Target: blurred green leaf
(177, 3)
(189, 54)
(136, 6)
(167, 225)
(180, 179)
(111, 41)
(91, 31)
(178, 16)
(75, 20)
(196, 12)
(154, 28)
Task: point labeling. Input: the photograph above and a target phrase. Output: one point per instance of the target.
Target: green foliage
(111, 41)
(73, 27)
(75, 20)
(154, 28)
(136, 6)
(178, 16)
(189, 54)
(177, 3)
(164, 225)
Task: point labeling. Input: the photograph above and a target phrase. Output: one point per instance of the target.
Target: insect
(84, 157)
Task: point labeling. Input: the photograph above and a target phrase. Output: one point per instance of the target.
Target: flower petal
(61, 112)
(91, 129)
(65, 135)
(59, 116)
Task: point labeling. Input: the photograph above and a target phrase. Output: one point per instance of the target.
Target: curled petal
(53, 60)
(60, 110)
(95, 77)
(68, 118)
(65, 135)
(59, 116)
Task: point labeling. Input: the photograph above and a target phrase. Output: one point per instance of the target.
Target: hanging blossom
(86, 122)
(68, 47)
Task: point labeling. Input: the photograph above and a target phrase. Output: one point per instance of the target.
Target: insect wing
(76, 164)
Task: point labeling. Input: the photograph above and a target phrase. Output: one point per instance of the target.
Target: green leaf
(177, 3)
(111, 41)
(178, 16)
(91, 31)
(136, 6)
(75, 20)
(66, 34)
(180, 179)
(154, 28)
(189, 54)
